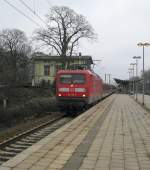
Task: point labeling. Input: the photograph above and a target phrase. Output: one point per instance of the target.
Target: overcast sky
(120, 25)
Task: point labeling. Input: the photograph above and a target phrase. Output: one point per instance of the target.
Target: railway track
(17, 144)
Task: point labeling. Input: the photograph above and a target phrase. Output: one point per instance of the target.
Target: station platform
(112, 135)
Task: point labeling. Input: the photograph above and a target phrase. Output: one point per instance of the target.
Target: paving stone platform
(113, 135)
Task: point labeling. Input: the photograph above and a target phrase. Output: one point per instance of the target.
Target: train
(76, 89)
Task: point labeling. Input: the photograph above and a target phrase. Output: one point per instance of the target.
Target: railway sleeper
(23, 143)
(35, 138)
(18, 146)
(6, 153)
(15, 150)
(28, 140)
(41, 136)
(35, 135)
(47, 131)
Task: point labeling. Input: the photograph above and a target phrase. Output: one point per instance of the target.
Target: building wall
(39, 76)
(39, 71)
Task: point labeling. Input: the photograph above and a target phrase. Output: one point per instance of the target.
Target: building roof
(122, 82)
(42, 56)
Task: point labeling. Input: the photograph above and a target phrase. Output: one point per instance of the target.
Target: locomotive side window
(72, 78)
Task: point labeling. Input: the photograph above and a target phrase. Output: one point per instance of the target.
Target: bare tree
(16, 47)
(64, 30)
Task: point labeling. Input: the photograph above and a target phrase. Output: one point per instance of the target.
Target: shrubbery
(32, 108)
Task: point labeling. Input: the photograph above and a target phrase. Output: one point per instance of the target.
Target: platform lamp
(133, 64)
(108, 78)
(143, 45)
(130, 74)
(136, 58)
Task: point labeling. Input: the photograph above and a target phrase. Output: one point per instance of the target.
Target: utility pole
(143, 45)
(105, 77)
(109, 80)
(130, 75)
(136, 57)
(133, 64)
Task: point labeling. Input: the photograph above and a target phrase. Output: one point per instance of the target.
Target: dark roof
(41, 56)
(121, 82)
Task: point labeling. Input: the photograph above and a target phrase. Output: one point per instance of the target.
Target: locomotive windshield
(72, 79)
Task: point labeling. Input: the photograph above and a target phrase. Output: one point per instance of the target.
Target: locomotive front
(71, 89)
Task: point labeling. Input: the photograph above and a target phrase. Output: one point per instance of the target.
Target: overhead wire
(22, 13)
(33, 11)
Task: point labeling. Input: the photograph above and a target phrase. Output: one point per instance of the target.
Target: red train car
(78, 88)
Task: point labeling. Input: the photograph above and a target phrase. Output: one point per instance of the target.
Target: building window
(58, 67)
(46, 70)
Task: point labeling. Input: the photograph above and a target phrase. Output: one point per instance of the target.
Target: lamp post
(130, 75)
(110, 82)
(133, 64)
(105, 78)
(143, 45)
(108, 77)
(136, 57)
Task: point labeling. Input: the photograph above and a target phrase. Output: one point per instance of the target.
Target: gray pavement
(113, 135)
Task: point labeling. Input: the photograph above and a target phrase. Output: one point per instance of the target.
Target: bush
(33, 108)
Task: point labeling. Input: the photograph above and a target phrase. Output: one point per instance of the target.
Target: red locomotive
(78, 88)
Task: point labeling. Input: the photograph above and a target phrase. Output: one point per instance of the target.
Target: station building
(45, 66)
